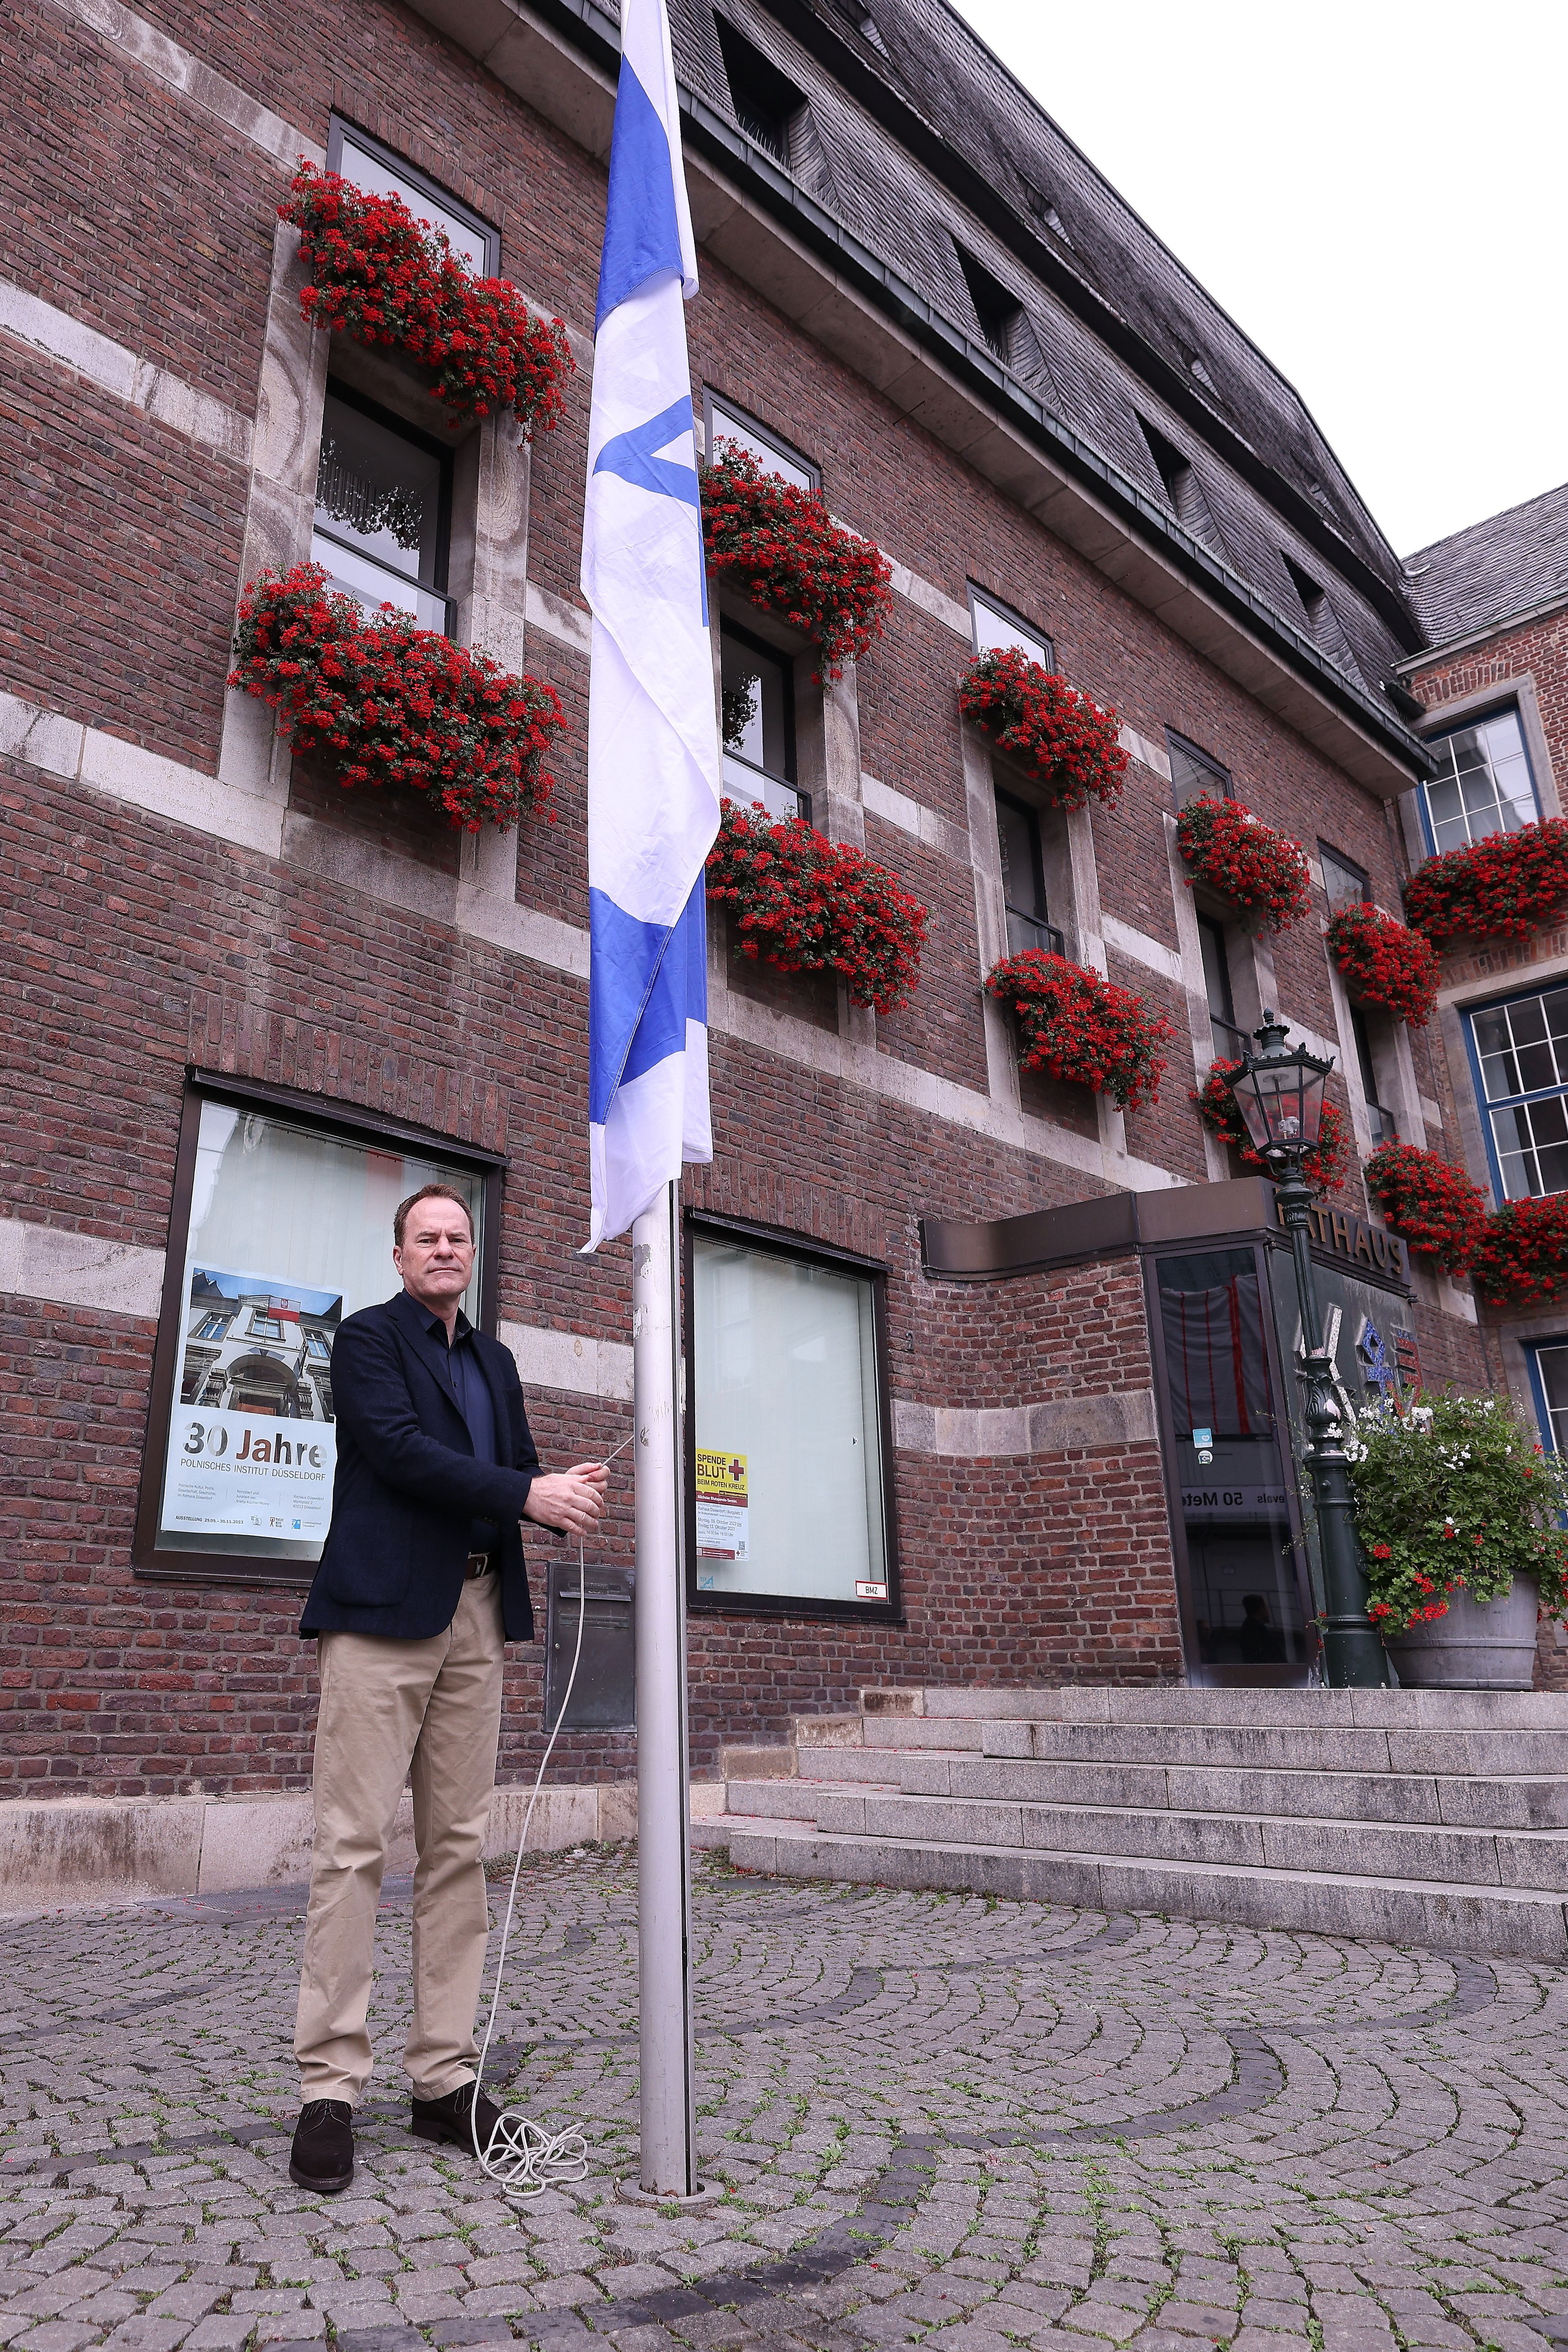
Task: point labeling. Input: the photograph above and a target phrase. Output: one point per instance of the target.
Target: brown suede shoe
(322, 2156)
(449, 2119)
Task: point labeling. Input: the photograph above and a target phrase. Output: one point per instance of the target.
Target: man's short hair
(430, 1192)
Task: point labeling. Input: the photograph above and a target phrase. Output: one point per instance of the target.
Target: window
(1184, 491)
(723, 421)
(1520, 1054)
(757, 689)
(788, 1427)
(1383, 1123)
(1023, 879)
(382, 510)
(1192, 772)
(286, 1228)
(1483, 784)
(1324, 623)
(1004, 325)
(1346, 885)
(380, 171)
(1230, 1040)
(1548, 1360)
(767, 106)
(1044, 210)
(997, 627)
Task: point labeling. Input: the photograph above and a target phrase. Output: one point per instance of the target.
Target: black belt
(479, 1564)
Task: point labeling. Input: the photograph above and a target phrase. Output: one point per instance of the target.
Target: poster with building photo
(251, 1444)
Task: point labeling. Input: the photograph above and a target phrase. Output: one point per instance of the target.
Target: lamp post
(1280, 1094)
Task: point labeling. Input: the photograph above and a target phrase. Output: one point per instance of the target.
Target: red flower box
(786, 553)
(807, 904)
(1083, 1028)
(384, 278)
(1521, 1258)
(1259, 870)
(1428, 1201)
(1504, 888)
(389, 703)
(1323, 1166)
(1385, 962)
(1055, 733)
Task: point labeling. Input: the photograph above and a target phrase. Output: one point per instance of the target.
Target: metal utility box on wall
(604, 1697)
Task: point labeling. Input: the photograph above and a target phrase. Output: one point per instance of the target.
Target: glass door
(1240, 1566)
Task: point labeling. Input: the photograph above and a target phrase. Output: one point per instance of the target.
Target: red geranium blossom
(382, 277)
(1521, 1258)
(1055, 733)
(786, 552)
(389, 703)
(1428, 1201)
(1081, 1027)
(807, 904)
(1259, 870)
(1504, 888)
(1385, 962)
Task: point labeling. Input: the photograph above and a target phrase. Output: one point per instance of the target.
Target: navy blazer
(408, 1486)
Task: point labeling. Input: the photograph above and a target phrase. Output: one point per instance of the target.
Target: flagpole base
(711, 2193)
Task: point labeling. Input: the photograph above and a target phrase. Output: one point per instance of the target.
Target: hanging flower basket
(1055, 733)
(386, 702)
(1428, 1202)
(382, 277)
(807, 904)
(786, 552)
(1385, 962)
(1521, 1258)
(1504, 888)
(1081, 1028)
(1323, 1167)
(1262, 872)
(1455, 1495)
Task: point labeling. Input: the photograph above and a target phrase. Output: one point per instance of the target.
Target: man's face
(437, 1256)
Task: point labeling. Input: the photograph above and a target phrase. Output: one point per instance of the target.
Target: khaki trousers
(428, 1713)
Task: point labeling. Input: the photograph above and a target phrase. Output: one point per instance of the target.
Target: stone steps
(1406, 1816)
(1456, 1800)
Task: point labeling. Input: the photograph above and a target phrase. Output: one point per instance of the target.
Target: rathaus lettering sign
(1342, 1234)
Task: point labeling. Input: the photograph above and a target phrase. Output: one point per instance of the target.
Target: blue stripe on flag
(645, 985)
(642, 233)
(631, 456)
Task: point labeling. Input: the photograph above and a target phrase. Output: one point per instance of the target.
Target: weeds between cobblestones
(958, 2119)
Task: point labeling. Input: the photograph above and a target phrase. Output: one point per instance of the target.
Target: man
(421, 1582)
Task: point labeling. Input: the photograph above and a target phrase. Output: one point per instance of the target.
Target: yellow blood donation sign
(723, 1513)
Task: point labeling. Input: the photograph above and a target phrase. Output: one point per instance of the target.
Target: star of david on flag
(653, 746)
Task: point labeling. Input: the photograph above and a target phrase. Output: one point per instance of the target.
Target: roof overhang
(561, 57)
(1527, 617)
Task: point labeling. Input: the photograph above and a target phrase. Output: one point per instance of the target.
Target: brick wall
(138, 942)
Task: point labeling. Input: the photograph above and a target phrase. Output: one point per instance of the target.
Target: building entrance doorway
(1241, 1571)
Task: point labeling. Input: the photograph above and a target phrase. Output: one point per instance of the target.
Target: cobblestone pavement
(977, 2122)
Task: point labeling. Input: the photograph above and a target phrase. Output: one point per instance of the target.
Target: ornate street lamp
(1280, 1094)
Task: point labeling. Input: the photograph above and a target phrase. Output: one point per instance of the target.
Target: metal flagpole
(664, 1846)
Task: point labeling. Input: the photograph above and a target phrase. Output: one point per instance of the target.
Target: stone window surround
(1446, 717)
(1453, 1004)
(489, 572)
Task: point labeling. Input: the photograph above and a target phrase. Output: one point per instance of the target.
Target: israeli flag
(653, 741)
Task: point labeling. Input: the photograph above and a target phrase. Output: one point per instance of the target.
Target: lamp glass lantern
(1280, 1093)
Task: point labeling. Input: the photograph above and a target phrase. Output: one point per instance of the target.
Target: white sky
(1373, 189)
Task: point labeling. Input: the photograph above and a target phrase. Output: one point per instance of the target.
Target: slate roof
(921, 137)
(1508, 564)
